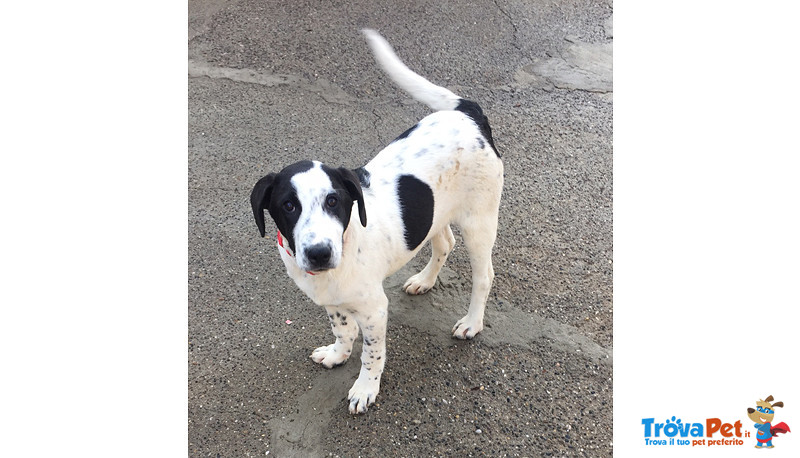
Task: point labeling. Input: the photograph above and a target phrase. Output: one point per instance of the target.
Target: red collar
(280, 244)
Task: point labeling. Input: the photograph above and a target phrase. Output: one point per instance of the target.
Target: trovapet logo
(714, 432)
(711, 432)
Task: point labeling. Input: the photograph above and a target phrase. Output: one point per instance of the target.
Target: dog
(763, 415)
(341, 232)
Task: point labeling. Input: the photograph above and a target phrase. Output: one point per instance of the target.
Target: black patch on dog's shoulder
(363, 176)
(406, 133)
(416, 209)
(474, 111)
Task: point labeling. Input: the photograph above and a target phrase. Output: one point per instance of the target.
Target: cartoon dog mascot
(763, 415)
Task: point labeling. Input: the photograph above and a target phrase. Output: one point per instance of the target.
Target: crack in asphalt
(375, 126)
(514, 43)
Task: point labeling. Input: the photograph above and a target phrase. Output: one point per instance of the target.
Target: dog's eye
(288, 206)
(331, 201)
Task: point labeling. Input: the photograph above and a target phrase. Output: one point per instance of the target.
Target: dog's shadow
(434, 312)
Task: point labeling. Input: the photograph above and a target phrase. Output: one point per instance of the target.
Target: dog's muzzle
(319, 257)
(288, 251)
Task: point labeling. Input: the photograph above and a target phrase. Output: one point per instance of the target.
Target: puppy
(763, 415)
(341, 232)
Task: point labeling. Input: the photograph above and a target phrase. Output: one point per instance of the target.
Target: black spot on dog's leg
(416, 209)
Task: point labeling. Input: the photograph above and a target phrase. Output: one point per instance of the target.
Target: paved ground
(273, 82)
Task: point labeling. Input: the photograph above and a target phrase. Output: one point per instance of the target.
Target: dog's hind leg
(479, 235)
(441, 245)
(345, 329)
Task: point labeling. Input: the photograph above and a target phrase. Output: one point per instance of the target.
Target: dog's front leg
(345, 329)
(371, 317)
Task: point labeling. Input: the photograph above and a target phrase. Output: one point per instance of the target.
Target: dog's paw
(328, 357)
(467, 328)
(363, 394)
(418, 284)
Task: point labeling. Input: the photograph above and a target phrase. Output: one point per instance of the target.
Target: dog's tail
(418, 87)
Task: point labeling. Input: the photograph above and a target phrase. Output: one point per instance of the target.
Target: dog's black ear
(353, 185)
(259, 199)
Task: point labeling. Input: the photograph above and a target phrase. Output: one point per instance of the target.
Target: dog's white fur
(466, 177)
(315, 225)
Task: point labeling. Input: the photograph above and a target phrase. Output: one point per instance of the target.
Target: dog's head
(311, 205)
(764, 411)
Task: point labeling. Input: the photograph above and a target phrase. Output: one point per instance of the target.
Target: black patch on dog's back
(474, 111)
(416, 209)
(363, 176)
(406, 133)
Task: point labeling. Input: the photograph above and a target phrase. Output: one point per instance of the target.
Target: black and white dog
(443, 170)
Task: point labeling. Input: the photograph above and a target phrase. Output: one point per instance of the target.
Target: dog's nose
(319, 255)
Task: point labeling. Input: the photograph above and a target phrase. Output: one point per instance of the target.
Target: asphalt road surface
(274, 82)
